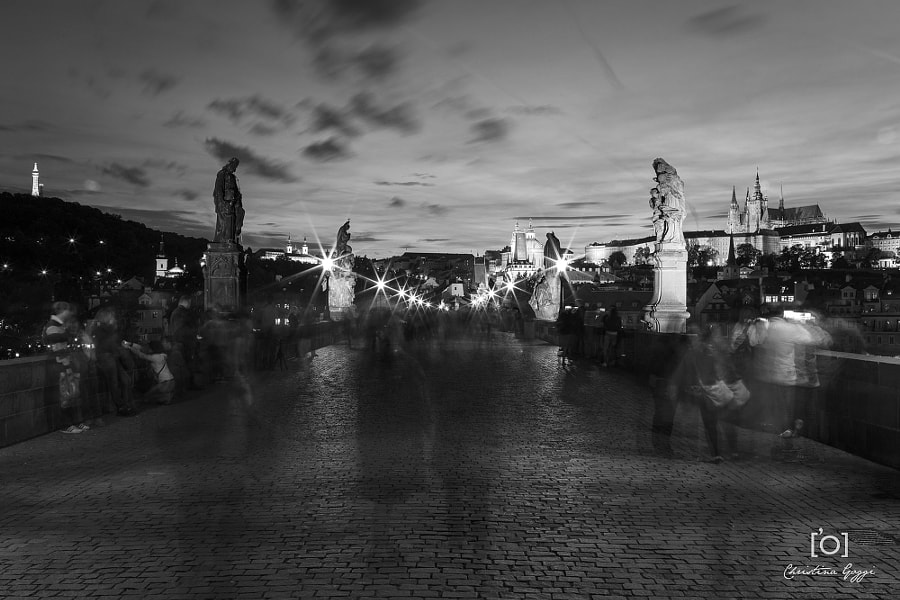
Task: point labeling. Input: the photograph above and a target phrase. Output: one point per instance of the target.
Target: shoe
(718, 460)
(83, 426)
(787, 433)
(70, 429)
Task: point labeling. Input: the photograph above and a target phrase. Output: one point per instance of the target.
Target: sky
(433, 125)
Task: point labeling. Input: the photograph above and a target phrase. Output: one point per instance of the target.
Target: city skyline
(435, 125)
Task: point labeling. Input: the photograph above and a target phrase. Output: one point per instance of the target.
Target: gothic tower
(35, 181)
(734, 214)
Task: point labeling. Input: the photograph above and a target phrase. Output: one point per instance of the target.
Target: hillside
(50, 247)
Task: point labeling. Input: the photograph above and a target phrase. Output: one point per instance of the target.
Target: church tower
(35, 181)
(289, 248)
(305, 248)
(162, 263)
(734, 214)
(519, 247)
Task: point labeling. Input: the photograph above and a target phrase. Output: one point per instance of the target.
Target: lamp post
(327, 266)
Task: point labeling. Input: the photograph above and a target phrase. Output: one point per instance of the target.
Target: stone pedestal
(340, 294)
(667, 311)
(222, 277)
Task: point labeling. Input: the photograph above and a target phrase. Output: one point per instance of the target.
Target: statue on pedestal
(229, 209)
(667, 202)
(667, 310)
(342, 280)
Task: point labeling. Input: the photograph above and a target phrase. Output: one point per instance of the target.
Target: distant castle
(756, 216)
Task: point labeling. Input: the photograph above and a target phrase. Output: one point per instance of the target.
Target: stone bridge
(474, 467)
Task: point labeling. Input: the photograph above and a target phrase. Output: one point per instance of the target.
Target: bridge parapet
(29, 387)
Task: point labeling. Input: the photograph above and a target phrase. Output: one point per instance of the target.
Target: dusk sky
(433, 125)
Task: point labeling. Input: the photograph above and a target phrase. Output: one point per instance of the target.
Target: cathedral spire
(162, 247)
(731, 259)
(757, 189)
(734, 202)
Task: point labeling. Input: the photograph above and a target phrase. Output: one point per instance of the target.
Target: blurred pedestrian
(612, 327)
(700, 380)
(163, 389)
(110, 361)
(183, 336)
(56, 336)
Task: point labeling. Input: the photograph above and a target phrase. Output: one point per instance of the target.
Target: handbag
(740, 392)
(717, 394)
(69, 388)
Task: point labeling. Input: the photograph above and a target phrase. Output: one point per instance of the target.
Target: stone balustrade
(29, 387)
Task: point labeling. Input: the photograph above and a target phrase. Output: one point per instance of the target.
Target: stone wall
(29, 388)
(856, 408)
(29, 397)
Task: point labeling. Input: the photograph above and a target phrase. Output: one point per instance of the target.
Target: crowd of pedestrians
(761, 373)
(101, 370)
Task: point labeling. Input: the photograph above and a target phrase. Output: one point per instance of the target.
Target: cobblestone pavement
(463, 470)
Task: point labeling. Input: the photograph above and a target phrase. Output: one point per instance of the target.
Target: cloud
(366, 238)
(377, 62)
(44, 158)
(165, 165)
(327, 150)
(183, 221)
(250, 161)
(237, 109)
(397, 202)
(326, 118)
(575, 204)
(725, 21)
(457, 104)
(319, 21)
(156, 82)
(526, 110)
(188, 195)
(572, 218)
(133, 175)
(31, 125)
(489, 130)
(435, 209)
(400, 117)
(262, 129)
(404, 183)
(179, 119)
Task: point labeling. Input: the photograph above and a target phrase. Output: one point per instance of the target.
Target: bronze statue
(229, 209)
(552, 250)
(343, 236)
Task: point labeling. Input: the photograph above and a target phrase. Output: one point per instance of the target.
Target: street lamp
(327, 266)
